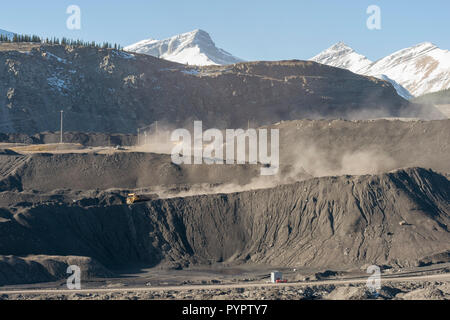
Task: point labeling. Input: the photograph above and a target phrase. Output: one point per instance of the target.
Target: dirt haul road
(362, 280)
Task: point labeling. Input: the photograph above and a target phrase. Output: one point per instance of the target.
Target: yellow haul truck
(133, 197)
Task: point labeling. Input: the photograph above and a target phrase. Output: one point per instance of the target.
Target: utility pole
(61, 137)
(139, 133)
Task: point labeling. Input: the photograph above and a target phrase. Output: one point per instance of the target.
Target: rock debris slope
(397, 218)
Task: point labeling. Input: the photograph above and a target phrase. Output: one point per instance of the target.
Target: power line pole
(61, 137)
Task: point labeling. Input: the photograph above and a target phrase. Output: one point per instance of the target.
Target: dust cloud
(302, 163)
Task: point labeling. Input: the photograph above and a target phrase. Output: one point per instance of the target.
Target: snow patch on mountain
(401, 91)
(193, 48)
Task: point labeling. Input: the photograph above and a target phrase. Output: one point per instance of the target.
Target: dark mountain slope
(103, 90)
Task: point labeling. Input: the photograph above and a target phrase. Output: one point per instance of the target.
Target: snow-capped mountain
(414, 71)
(194, 48)
(421, 69)
(342, 56)
(6, 33)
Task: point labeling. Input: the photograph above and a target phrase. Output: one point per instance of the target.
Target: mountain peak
(426, 44)
(340, 55)
(195, 48)
(418, 48)
(197, 36)
(340, 46)
(194, 33)
(199, 32)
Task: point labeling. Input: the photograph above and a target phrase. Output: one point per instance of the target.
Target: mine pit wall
(326, 222)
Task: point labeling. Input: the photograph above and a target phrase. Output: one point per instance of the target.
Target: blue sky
(249, 29)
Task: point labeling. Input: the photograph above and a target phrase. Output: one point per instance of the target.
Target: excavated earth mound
(308, 148)
(324, 147)
(87, 171)
(71, 204)
(399, 218)
(33, 269)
